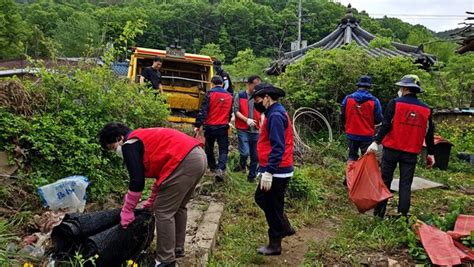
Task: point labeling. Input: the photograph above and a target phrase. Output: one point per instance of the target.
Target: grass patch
(242, 227)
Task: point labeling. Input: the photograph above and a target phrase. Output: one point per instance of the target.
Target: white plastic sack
(68, 193)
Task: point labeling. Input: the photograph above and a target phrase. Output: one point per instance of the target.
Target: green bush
(301, 185)
(60, 137)
(322, 78)
(458, 133)
(380, 42)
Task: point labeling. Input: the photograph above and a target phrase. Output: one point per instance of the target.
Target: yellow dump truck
(185, 78)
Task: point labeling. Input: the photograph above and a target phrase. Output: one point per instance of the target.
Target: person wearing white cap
(406, 124)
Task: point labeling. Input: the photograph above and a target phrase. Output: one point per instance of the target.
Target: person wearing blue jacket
(360, 112)
(275, 159)
(214, 116)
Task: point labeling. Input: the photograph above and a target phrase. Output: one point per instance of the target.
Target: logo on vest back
(221, 103)
(412, 118)
(358, 110)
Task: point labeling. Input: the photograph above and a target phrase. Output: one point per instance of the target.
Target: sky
(436, 15)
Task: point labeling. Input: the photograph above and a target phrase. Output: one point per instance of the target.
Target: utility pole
(299, 25)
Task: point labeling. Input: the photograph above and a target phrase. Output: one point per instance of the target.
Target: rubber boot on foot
(273, 248)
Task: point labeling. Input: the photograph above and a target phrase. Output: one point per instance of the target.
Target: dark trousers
(407, 165)
(221, 136)
(354, 147)
(248, 147)
(272, 203)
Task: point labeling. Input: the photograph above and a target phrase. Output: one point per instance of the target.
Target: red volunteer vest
(244, 109)
(264, 147)
(360, 117)
(164, 150)
(408, 128)
(219, 108)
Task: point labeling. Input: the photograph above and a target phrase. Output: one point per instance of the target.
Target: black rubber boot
(288, 230)
(273, 248)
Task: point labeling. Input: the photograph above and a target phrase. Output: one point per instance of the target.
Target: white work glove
(266, 181)
(251, 122)
(373, 148)
(430, 161)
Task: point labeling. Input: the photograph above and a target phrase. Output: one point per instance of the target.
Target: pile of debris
(15, 98)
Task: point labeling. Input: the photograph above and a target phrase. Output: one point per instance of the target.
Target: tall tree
(79, 33)
(418, 35)
(213, 50)
(14, 32)
(224, 42)
(246, 64)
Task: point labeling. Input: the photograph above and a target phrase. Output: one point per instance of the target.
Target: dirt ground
(295, 247)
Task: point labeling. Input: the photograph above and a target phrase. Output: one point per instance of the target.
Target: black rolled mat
(76, 227)
(101, 234)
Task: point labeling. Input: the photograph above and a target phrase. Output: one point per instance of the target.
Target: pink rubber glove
(149, 202)
(126, 215)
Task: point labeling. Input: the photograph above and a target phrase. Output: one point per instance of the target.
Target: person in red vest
(215, 115)
(360, 112)
(247, 122)
(176, 161)
(406, 124)
(275, 158)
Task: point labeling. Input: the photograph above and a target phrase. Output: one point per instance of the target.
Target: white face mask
(400, 93)
(118, 150)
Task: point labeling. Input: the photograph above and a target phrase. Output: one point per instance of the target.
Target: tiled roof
(346, 32)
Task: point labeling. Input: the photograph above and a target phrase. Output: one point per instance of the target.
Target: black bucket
(442, 152)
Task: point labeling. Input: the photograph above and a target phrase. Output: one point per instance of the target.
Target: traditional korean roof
(349, 31)
(466, 36)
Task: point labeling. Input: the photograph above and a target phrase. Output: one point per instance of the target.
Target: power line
(422, 18)
(409, 16)
(419, 15)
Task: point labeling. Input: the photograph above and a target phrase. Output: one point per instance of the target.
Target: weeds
(6, 238)
(80, 261)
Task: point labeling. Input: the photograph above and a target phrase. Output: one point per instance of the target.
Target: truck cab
(185, 78)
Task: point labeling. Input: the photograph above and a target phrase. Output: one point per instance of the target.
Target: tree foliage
(118, 48)
(78, 34)
(246, 64)
(213, 50)
(13, 30)
(379, 42)
(454, 83)
(267, 27)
